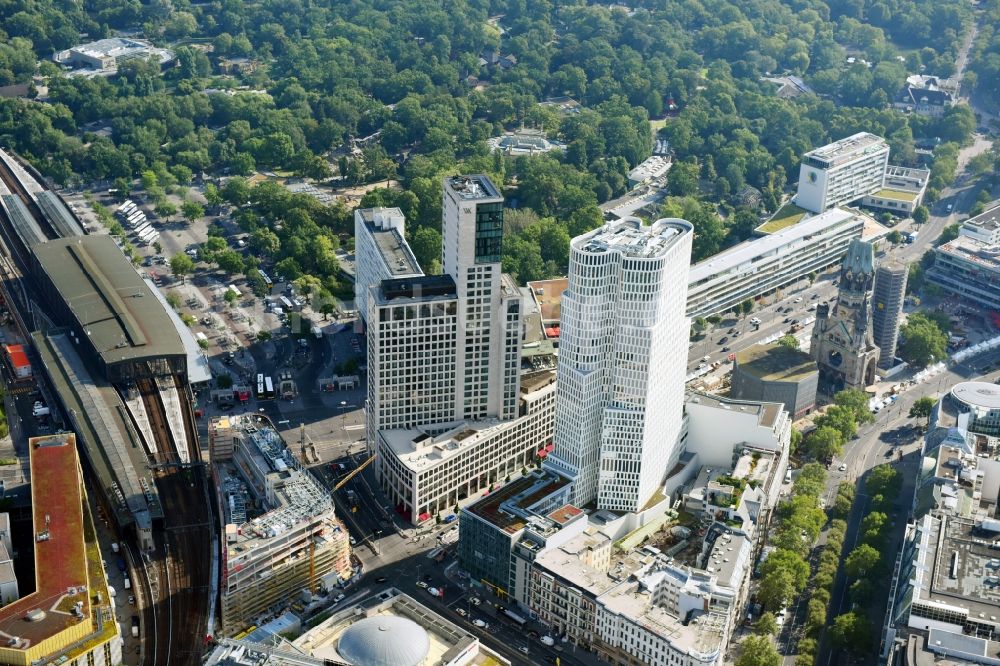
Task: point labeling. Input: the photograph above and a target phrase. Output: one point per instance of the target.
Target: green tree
(921, 214)
(894, 237)
(922, 407)
(166, 209)
(776, 589)
(852, 632)
(789, 341)
(923, 342)
(839, 418)
(236, 191)
(212, 195)
(746, 307)
(230, 261)
(181, 265)
(426, 246)
(825, 443)
(766, 625)
(786, 560)
(192, 210)
(883, 480)
(863, 561)
(758, 651)
(230, 297)
(948, 234)
(856, 401)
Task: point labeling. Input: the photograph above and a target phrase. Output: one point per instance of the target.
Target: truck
(135, 626)
(128, 584)
(911, 237)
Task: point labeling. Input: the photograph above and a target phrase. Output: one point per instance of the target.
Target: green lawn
(898, 195)
(787, 215)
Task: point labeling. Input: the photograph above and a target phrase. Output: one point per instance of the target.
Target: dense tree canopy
(408, 76)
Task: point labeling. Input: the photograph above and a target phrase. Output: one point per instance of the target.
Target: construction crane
(312, 542)
(343, 481)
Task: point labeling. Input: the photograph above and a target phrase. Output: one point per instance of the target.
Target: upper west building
(380, 251)
(842, 172)
(621, 366)
(445, 412)
(489, 307)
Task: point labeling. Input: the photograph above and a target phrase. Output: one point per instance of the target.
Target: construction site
(282, 538)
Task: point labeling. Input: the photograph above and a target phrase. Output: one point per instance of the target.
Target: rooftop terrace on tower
(472, 188)
(633, 239)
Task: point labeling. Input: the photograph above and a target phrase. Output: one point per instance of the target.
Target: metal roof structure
(27, 229)
(112, 308)
(100, 418)
(56, 212)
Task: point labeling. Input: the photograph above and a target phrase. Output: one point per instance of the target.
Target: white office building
(380, 251)
(842, 172)
(622, 361)
(771, 262)
(426, 473)
(489, 304)
(412, 337)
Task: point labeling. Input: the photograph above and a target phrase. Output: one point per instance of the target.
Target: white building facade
(412, 366)
(621, 367)
(424, 475)
(764, 264)
(842, 172)
(489, 315)
(380, 251)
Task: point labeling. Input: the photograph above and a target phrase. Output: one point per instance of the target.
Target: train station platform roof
(110, 303)
(198, 369)
(96, 412)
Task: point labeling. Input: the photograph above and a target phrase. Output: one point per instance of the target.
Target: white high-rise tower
(622, 361)
(489, 303)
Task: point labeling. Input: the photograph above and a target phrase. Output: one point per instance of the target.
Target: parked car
(843, 467)
(422, 584)
(475, 601)
(461, 611)
(479, 623)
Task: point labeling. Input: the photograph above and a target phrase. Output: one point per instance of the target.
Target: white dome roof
(385, 640)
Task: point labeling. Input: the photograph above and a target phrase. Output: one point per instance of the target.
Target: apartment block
(842, 172)
(621, 371)
(426, 472)
(292, 543)
(380, 252)
(502, 533)
(761, 265)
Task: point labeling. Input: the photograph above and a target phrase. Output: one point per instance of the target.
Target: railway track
(17, 188)
(183, 555)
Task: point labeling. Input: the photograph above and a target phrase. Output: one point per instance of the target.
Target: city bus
(268, 389)
(260, 387)
(267, 280)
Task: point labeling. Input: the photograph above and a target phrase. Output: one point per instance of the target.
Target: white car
(843, 467)
(339, 598)
(461, 611)
(524, 649)
(480, 624)
(433, 591)
(422, 584)
(755, 321)
(475, 601)
(798, 299)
